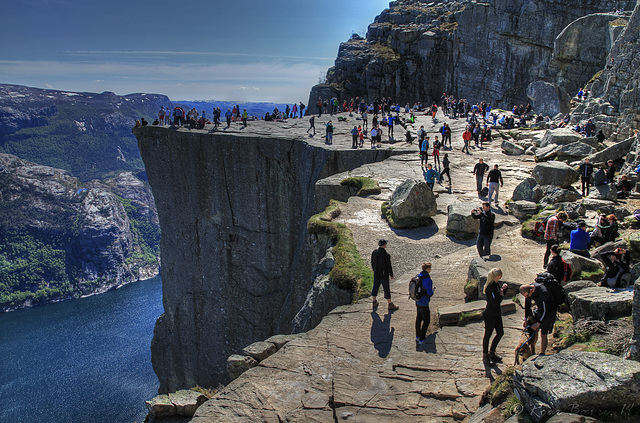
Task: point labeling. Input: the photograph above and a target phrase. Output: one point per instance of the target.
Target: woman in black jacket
(556, 265)
(493, 316)
(617, 263)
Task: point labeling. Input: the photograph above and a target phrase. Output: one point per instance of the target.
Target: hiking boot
(486, 359)
(495, 357)
(374, 304)
(393, 307)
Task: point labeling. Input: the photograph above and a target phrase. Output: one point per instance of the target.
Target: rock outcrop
(555, 173)
(600, 303)
(245, 270)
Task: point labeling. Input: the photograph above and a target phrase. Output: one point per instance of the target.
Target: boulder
(460, 224)
(633, 351)
(525, 191)
(555, 173)
(574, 209)
(560, 136)
(160, 407)
(478, 270)
(573, 150)
(578, 285)
(546, 153)
(523, 209)
(449, 316)
(591, 141)
(238, 364)
(412, 204)
(259, 350)
(606, 208)
(531, 151)
(603, 192)
(572, 380)
(554, 195)
(281, 340)
(571, 418)
(594, 205)
(607, 248)
(601, 303)
(548, 99)
(511, 148)
(187, 402)
(614, 152)
(580, 264)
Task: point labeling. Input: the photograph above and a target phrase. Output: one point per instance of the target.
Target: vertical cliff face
(236, 262)
(481, 50)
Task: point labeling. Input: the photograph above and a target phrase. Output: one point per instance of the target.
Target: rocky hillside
(88, 134)
(60, 238)
(481, 50)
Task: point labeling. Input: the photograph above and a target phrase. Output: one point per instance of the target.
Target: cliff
(480, 50)
(62, 239)
(237, 261)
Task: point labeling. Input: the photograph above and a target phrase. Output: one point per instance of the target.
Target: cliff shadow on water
(237, 264)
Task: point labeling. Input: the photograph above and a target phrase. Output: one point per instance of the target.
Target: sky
(230, 50)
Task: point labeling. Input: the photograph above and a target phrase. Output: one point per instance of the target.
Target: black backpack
(556, 291)
(416, 290)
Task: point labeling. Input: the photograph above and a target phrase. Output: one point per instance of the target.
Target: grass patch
(207, 392)
(502, 387)
(364, 185)
(516, 300)
(595, 76)
(566, 334)
(469, 316)
(385, 52)
(350, 271)
(471, 290)
(594, 275)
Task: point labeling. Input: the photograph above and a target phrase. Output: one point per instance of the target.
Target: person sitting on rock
(580, 240)
(544, 314)
(606, 229)
(617, 264)
(624, 187)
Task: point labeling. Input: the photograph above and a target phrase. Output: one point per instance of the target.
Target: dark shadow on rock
(494, 257)
(488, 373)
(421, 232)
(466, 242)
(382, 333)
(429, 345)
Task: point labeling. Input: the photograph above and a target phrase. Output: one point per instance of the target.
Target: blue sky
(192, 50)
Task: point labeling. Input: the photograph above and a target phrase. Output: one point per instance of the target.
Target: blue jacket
(579, 240)
(431, 175)
(425, 146)
(427, 284)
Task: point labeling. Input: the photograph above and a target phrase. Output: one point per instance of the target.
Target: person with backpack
(382, 271)
(546, 308)
(552, 233)
(617, 263)
(312, 125)
(606, 229)
(492, 316)
(430, 176)
(329, 132)
(580, 240)
(557, 264)
(423, 293)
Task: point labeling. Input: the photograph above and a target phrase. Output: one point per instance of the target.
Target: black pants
(354, 141)
(492, 323)
(445, 171)
(585, 184)
(423, 318)
(550, 243)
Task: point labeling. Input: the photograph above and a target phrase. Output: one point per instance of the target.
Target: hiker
(479, 169)
(354, 137)
(319, 104)
(361, 136)
(447, 136)
(430, 176)
(585, 171)
(390, 126)
(245, 116)
(329, 132)
(552, 233)
(312, 125)
(487, 223)
(492, 182)
(545, 313)
(580, 240)
(556, 264)
(424, 152)
(617, 265)
(492, 316)
(302, 107)
(423, 314)
(161, 114)
(374, 134)
(589, 129)
(421, 134)
(382, 271)
(445, 168)
(606, 229)
(228, 115)
(466, 137)
(436, 151)
(611, 172)
(623, 187)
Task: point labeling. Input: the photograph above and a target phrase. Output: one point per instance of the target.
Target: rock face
(570, 381)
(634, 347)
(415, 50)
(460, 224)
(555, 173)
(549, 99)
(412, 204)
(249, 253)
(600, 303)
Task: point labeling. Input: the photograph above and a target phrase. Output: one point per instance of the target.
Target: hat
(582, 224)
(382, 242)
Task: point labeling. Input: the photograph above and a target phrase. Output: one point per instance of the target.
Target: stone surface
(460, 224)
(578, 285)
(238, 364)
(614, 152)
(574, 209)
(560, 136)
(523, 209)
(600, 303)
(574, 150)
(603, 192)
(570, 381)
(511, 148)
(160, 406)
(553, 195)
(571, 418)
(525, 191)
(259, 350)
(580, 264)
(634, 347)
(280, 340)
(412, 204)
(448, 316)
(555, 173)
(187, 401)
(548, 99)
(547, 152)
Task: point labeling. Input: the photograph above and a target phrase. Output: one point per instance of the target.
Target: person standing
(421, 134)
(430, 176)
(294, 111)
(466, 137)
(312, 125)
(245, 116)
(493, 178)
(436, 151)
(487, 223)
(479, 169)
(447, 136)
(354, 137)
(445, 168)
(611, 172)
(424, 152)
(423, 315)
(545, 314)
(329, 132)
(492, 316)
(382, 271)
(390, 126)
(302, 106)
(585, 170)
(228, 115)
(556, 264)
(319, 104)
(374, 135)
(161, 114)
(552, 233)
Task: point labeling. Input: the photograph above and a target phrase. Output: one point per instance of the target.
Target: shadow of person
(487, 371)
(381, 333)
(429, 345)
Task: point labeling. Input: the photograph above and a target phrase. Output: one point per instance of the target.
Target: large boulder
(182, 403)
(555, 173)
(560, 136)
(603, 192)
(574, 209)
(600, 303)
(548, 99)
(460, 224)
(523, 209)
(412, 204)
(573, 150)
(525, 191)
(580, 264)
(259, 350)
(614, 152)
(547, 152)
(511, 148)
(238, 364)
(478, 270)
(554, 195)
(570, 380)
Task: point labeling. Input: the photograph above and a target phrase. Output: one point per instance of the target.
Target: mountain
(87, 134)
(61, 238)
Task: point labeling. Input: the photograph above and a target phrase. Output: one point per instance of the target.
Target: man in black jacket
(479, 169)
(586, 169)
(487, 221)
(545, 314)
(382, 271)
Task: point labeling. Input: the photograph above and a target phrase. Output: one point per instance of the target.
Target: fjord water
(85, 360)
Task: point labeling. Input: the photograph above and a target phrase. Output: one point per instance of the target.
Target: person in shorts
(545, 312)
